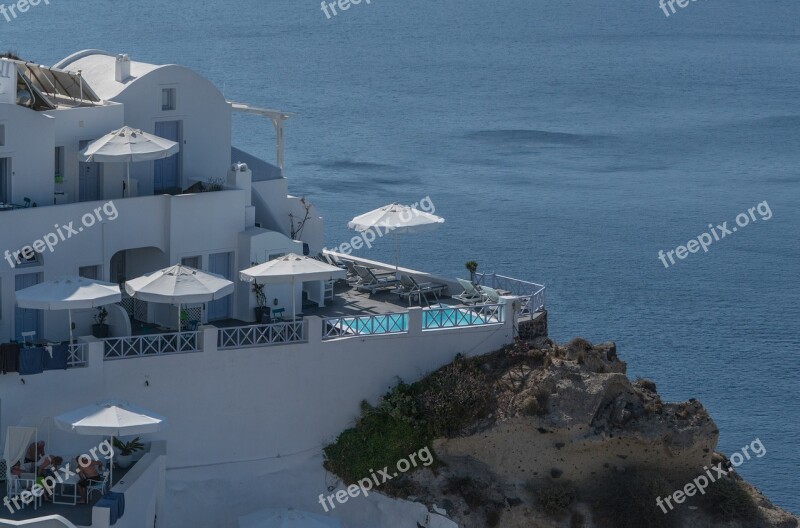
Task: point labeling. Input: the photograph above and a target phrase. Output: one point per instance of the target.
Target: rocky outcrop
(566, 419)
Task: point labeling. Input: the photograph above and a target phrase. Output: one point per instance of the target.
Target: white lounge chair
(410, 288)
(471, 293)
(371, 282)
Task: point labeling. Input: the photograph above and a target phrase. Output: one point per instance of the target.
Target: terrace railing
(76, 355)
(531, 294)
(333, 327)
(261, 335)
(459, 317)
(151, 345)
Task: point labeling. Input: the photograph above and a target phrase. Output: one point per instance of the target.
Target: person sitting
(49, 464)
(33, 451)
(89, 474)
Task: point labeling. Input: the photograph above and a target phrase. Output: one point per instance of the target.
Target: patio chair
(371, 282)
(27, 339)
(410, 288)
(98, 486)
(471, 294)
(352, 275)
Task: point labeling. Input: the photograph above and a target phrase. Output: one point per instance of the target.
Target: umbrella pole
(70, 328)
(111, 475)
(128, 165)
(396, 260)
(179, 317)
(294, 310)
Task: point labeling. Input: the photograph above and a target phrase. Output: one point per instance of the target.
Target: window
(168, 96)
(59, 165)
(5, 180)
(2, 135)
(25, 257)
(192, 262)
(89, 272)
(275, 256)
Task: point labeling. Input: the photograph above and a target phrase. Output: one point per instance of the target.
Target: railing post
(313, 330)
(415, 321)
(207, 335)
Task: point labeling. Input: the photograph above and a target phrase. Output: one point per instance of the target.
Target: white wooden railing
(383, 324)
(151, 345)
(261, 335)
(532, 295)
(76, 355)
(458, 317)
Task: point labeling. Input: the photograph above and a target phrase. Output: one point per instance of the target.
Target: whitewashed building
(250, 405)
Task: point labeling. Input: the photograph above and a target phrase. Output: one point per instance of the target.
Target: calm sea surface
(565, 142)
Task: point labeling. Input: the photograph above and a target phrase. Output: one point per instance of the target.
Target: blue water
(565, 142)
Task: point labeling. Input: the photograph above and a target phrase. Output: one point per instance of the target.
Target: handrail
(76, 355)
(383, 324)
(531, 294)
(260, 335)
(462, 316)
(151, 345)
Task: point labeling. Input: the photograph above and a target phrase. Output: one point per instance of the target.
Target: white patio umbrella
(287, 518)
(290, 268)
(114, 418)
(179, 285)
(397, 218)
(128, 145)
(68, 293)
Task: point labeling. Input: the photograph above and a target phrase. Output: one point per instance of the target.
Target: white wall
(206, 120)
(30, 143)
(168, 227)
(264, 406)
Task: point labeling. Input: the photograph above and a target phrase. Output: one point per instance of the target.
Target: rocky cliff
(544, 435)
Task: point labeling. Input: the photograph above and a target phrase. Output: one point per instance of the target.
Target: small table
(73, 481)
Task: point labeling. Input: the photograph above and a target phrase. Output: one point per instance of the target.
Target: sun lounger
(371, 282)
(471, 293)
(409, 289)
(490, 295)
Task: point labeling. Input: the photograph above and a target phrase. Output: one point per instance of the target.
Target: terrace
(349, 312)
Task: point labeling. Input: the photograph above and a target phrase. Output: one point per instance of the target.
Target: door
(89, 176)
(26, 320)
(220, 263)
(167, 177)
(5, 181)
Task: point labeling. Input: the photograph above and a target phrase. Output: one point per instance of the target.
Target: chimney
(123, 68)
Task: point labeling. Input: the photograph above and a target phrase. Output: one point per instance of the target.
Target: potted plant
(100, 328)
(472, 267)
(126, 452)
(261, 300)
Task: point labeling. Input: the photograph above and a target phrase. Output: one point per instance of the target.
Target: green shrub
(628, 500)
(727, 500)
(554, 499)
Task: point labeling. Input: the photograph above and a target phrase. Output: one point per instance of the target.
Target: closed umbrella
(113, 418)
(287, 518)
(179, 285)
(396, 218)
(291, 268)
(69, 293)
(128, 145)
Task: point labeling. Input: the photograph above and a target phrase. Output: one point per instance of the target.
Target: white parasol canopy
(68, 293)
(179, 285)
(396, 218)
(128, 145)
(291, 268)
(114, 418)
